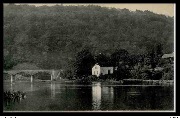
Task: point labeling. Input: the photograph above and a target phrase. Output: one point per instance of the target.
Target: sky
(165, 9)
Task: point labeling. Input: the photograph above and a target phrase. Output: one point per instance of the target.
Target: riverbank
(129, 82)
(121, 82)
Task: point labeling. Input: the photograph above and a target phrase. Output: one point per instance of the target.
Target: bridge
(54, 73)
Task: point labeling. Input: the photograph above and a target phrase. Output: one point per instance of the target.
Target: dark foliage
(43, 76)
(122, 72)
(83, 63)
(157, 75)
(120, 56)
(55, 37)
(103, 60)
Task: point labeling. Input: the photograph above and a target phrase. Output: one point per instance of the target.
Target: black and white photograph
(89, 57)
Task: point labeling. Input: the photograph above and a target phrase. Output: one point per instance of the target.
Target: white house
(101, 70)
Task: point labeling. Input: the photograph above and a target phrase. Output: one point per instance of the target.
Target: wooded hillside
(50, 37)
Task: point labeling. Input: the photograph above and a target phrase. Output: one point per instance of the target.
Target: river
(58, 96)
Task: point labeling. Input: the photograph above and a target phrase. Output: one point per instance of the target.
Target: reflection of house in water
(96, 96)
(101, 95)
(11, 87)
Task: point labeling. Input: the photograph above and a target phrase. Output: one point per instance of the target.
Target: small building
(169, 57)
(102, 70)
(158, 69)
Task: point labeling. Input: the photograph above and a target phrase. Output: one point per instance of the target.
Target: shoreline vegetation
(108, 81)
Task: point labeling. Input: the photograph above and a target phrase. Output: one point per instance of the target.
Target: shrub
(146, 74)
(92, 78)
(136, 74)
(168, 73)
(43, 76)
(157, 75)
(6, 76)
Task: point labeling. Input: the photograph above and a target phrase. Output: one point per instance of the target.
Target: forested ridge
(50, 37)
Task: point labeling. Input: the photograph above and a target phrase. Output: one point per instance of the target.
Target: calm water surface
(56, 96)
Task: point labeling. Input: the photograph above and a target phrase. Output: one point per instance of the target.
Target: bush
(106, 77)
(6, 76)
(146, 74)
(168, 73)
(157, 75)
(68, 74)
(92, 78)
(167, 76)
(136, 74)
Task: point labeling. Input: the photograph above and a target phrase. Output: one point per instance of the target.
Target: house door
(108, 71)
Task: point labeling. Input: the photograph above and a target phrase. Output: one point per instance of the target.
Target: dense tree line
(125, 64)
(51, 37)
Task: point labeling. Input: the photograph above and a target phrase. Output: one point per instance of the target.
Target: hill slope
(51, 36)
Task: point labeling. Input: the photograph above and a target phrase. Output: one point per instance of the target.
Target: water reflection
(134, 90)
(31, 87)
(11, 87)
(53, 89)
(108, 97)
(96, 96)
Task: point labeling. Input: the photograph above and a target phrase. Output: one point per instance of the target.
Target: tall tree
(152, 58)
(159, 53)
(122, 71)
(120, 55)
(84, 63)
(102, 59)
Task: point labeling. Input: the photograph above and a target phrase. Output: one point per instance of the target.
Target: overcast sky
(166, 9)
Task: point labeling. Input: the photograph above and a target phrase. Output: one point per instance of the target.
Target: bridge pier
(51, 77)
(31, 86)
(11, 78)
(11, 87)
(31, 78)
(58, 75)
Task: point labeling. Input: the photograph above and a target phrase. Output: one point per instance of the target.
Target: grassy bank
(127, 82)
(88, 80)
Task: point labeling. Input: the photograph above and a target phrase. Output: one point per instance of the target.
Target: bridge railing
(32, 72)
